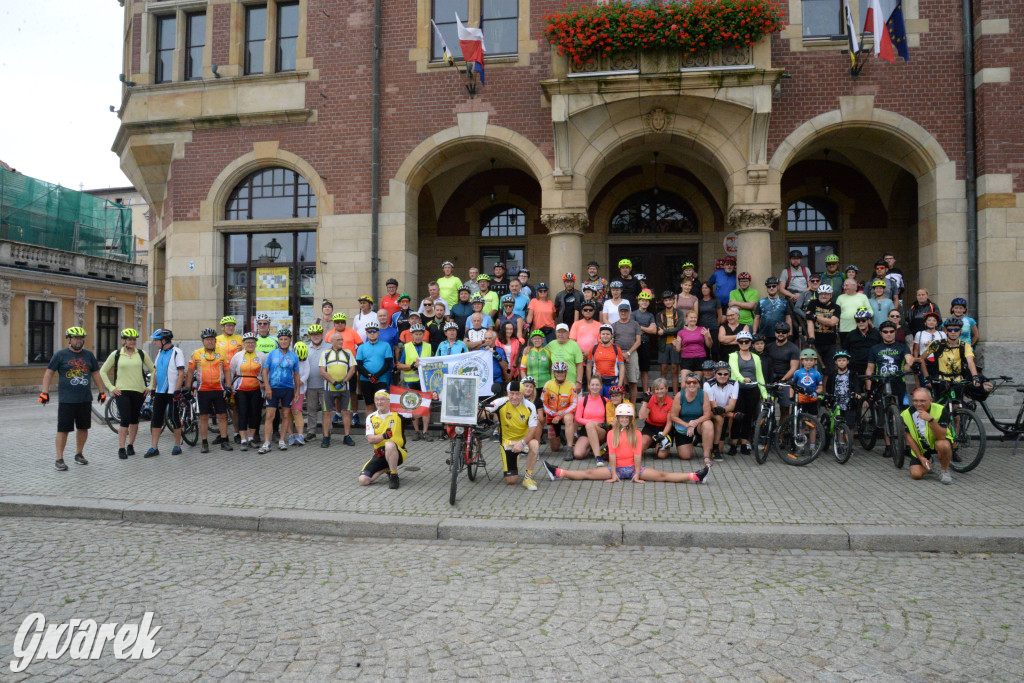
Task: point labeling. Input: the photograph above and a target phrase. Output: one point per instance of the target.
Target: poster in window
(272, 295)
(307, 316)
(307, 284)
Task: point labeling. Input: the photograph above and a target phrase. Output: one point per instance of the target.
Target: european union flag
(898, 32)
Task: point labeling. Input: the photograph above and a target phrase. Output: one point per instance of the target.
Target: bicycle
(837, 433)
(978, 395)
(883, 409)
(793, 439)
(465, 451)
(767, 424)
(113, 418)
(965, 424)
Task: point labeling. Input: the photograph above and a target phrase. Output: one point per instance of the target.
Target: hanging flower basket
(590, 32)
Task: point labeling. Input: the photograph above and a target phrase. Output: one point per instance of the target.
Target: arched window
(811, 214)
(503, 221)
(271, 193)
(653, 212)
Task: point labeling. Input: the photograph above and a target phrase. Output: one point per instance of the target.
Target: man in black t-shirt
(783, 360)
(499, 283)
(822, 325)
(859, 343)
(890, 359)
(568, 301)
(73, 367)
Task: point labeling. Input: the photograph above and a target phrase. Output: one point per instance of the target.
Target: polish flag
(408, 402)
(471, 40)
(874, 23)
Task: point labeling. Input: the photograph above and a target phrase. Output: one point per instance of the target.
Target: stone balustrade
(32, 257)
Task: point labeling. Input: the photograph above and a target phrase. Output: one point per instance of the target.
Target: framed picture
(459, 399)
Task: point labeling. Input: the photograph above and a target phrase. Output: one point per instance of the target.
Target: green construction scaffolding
(47, 215)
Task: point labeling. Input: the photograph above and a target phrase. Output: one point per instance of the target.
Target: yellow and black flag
(446, 54)
(851, 35)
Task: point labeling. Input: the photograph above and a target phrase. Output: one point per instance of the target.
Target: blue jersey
(447, 348)
(522, 302)
(497, 355)
(281, 367)
(723, 284)
(373, 357)
(807, 380)
(389, 337)
(772, 312)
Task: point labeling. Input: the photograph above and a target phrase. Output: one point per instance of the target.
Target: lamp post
(272, 250)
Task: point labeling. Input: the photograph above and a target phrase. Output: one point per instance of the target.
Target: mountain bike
(977, 396)
(837, 433)
(882, 413)
(113, 418)
(968, 431)
(800, 436)
(465, 452)
(766, 424)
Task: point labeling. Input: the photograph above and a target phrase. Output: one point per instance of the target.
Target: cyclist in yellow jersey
(559, 400)
(228, 344)
(384, 433)
(516, 419)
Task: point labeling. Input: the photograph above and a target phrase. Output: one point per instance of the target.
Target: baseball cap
(561, 326)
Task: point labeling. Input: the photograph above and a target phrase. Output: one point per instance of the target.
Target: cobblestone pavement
(867, 490)
(264, 606)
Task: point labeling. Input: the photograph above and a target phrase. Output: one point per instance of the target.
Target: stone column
(753, 228)
(566, 230)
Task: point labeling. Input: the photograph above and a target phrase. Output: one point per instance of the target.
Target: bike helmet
(75, 332)
(465, 288)
(401, 296)
(263, 317)
(207, 333)
(301, 350)
(450, 326)
(447, 263)
(825, 289)
(743, 276)
(476, 299)
(372, 325)
(794, 253)
(841, 354)
(616, 389)
(315, 329)
(249, 335)
(129, 333)
(639, 276)
(853, 268)
(228, 320)
(932, 314)
(417, 328)
(722, 365)
(952, 322)
(689, 264)
(625, 263)
(758, 337)
(528, 380)
(645, 294)
(339, 317)
(367, 298)
(831, 258)
(623, 409)
(536, 333)
(568, 277)
(615, 284)
(878, 283)
(782, 327)
(284, 332)
(887, 325)
(391, 281)
(604, 327)
(862, 314)
(881, 264)
(808, 353)
(542, 286)
(484, 276)
(959, 301)
(560, 366)
(507, 299)
(771, 281)
(161, 334)
(708, 365)
(743, 334)
(668, 294)
(663, 442)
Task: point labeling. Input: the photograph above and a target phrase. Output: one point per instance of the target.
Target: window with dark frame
(195, 41)
(165, 31)
(108, 322)
(499, 20)
(811, 214)
(823, 18)
(443, 13)
(503, 221)
(271, 193)
(287, 35)
(40, 331)
(814, 253)
(653, 212)
(255, 38)
(246, 254)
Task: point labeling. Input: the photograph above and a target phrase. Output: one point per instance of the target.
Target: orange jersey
(607, 359)
(211, 367)
(247, 368)
(349, 336)
(228, 346)
(559, 397)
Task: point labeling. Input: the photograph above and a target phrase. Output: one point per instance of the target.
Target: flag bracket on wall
(471, 41)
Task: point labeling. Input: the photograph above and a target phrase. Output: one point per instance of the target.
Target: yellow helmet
(75, 332)
(129, 333)
(301, 350)
(315, 329)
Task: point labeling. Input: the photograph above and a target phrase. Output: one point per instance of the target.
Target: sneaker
(946, 477)
(205, 447)
(702, 474)
(550, 469)
(121, 453)
(238, 438)
(153, 452)
(130, 449)
(243, 447)
(80, 459)
(568, 456)
(300, 440)
(393, 480)
(291, 439)
(529, 484)
(716, 455)
(176, 450)
(282, 446)
(265, 448)
(745, 449)
(599, 462)
(348, 441)
(61, 466)
(356, 422)
(225, 445)
(732, 449)
(325, 442)
(416, 436)
(218, 441)
(427, 437)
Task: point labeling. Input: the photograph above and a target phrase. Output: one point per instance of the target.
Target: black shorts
(652, 431)
(810, 408)
(129, 407)
(692, 364)
(643, 357)
(683, 439)
(72, 416)
(510, 460)
(555, 428)
(367, 388)
(164, 408)
(212, 403)
(379, 463)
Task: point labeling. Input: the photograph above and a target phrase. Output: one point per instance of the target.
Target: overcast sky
(59, 61)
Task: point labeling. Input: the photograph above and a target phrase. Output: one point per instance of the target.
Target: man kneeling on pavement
(384, 433)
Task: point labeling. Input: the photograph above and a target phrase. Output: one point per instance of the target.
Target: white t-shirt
(924, 338)
(922, 428)
(303, 375)
(476, 335)
(359, 323)
(611, 309)
(720, 395)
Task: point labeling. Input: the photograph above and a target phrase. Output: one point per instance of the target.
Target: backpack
(803, 269)
(940, 347)
(117, 358)
(614, 346)
(604, 403)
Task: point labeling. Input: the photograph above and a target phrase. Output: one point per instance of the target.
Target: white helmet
(263, 316)
(624, 409)
(824, 289)
(743, 334)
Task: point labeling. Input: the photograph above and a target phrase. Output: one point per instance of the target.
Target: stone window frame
(100, 327)
(180, 11)
(30, 325)
(236, 46)
(799, 43)
(421, 53)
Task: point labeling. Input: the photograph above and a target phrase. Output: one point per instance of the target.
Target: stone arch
(264, 154)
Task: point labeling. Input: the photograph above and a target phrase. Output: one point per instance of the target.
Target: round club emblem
(409, 400)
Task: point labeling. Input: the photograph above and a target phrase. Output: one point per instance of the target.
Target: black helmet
(668, 294)
(781, 327)
(207, 333)
(708, 365)
(771, 281)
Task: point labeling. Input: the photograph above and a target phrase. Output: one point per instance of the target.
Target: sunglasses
(815, 280)
(894, 317)
(372, 331)
(692, 381)
(771, 286)
(744, 341)
(723, 374)
(888, 331)
(952, 329)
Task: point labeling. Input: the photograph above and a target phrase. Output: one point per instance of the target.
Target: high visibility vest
(410, 357)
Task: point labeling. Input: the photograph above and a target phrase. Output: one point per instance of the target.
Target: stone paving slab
(783, 506)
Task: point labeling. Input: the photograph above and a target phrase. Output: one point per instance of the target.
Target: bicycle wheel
(968, 440)
(866, 428)
(793, 441)
(454, 465)
(111, 416)
(762, 440)
(842, 442)
(473, 459)
(189, 423)
(894, 428)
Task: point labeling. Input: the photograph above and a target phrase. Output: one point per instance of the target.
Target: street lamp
(272, 250)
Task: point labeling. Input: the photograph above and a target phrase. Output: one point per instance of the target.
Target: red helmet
(744, 276)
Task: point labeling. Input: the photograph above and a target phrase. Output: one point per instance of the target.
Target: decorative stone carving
(5, 300)
(757, 176)
(565, 223)
(80, 303)
(745, 219)
(140, 306)
(658, 119)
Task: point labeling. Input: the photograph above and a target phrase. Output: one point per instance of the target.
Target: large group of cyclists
(600, 370)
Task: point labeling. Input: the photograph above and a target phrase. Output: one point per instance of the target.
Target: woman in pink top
(686, 301)
(590, 414)
(625, 448)
(540, 314)
(508, 340)
(693, 343)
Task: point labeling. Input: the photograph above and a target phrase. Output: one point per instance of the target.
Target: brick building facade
(552, 165)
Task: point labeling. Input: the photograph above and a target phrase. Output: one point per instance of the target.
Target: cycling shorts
(72, 416)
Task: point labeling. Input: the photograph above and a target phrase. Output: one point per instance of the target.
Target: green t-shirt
(266, 344)
(747, 295)
(449, 287)
(491, 303)
(570, 353)
(538, 364)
